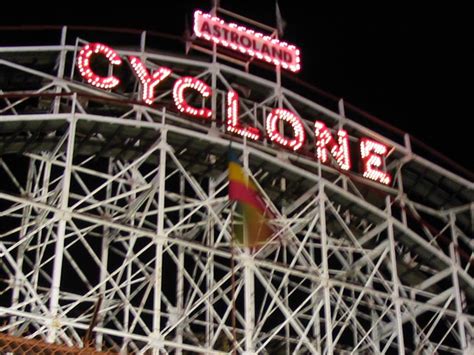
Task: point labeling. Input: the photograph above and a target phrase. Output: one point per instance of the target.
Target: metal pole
(287, 302)
(316, 308)
(180, 273)
(104, 258)
(395, 280)
(159, 242)
(210, 272)
(457, 291)
(21, 250)
(249, 287)
(249, 279)
(373, 316)
(325, 271)
(59, 248)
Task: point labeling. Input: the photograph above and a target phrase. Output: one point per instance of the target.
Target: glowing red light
(201, 87)
(325, 142)
(371, 153)
(241, 39)
(83, 63)
(149, 82)
(273, 133)
(233, 124)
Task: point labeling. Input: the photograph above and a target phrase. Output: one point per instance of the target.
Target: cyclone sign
(372, 152)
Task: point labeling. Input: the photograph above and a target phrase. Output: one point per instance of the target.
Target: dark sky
(411, 67)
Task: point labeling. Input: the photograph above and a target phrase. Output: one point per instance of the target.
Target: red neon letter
(148, 81)
(339, 150)
(84, 65)
(233, 124)
(274, 117)
(373, 161)
(201, 87)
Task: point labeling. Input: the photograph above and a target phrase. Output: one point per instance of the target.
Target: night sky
(411, 67)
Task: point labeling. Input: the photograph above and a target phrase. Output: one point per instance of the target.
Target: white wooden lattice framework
(104, 198)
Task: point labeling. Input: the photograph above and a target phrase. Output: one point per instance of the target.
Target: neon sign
(148, 81)
(233, 124)
(84, 65)
(371, 152)
(273, 132)
(201, 87)
(249, 42)
(339, 150)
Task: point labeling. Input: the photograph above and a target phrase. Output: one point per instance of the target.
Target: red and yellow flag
(251, 227)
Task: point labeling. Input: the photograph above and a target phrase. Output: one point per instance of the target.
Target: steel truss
(109, 203)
